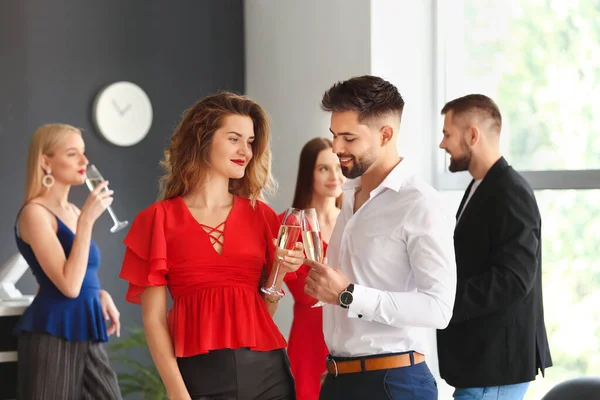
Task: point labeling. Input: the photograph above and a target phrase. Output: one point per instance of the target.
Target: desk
(10, 312)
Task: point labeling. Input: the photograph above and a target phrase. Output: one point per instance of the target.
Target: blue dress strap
(21, 210)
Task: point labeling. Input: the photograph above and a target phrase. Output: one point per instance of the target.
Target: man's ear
(473, 135)
(387, 132)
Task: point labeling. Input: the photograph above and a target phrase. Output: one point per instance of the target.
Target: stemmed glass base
(318, 304)
(272, 291)
(118, 226)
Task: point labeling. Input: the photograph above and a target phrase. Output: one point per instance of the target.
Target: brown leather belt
(372, 364)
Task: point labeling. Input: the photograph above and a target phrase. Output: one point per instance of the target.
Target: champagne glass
(289, 235)
(311, 237)
(93, 179)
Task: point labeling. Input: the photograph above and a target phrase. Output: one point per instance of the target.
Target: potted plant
(137, 377)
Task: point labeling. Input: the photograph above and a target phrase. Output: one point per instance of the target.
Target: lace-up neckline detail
(215, 235)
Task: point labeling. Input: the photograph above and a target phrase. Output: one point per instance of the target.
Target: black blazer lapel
(464, 199)
(495, 171)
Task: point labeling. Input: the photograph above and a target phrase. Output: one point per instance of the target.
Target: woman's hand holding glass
(95, 179)
(99, 199)
(290, 251)
(291, 259)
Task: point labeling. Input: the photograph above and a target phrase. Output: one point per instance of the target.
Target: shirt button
(359, 315)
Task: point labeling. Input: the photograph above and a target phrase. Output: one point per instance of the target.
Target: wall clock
(122, 113)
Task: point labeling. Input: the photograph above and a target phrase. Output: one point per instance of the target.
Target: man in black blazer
(496, 341)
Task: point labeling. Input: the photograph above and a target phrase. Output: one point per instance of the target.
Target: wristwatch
(346, 296)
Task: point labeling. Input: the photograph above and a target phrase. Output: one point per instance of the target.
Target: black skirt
(239, 374)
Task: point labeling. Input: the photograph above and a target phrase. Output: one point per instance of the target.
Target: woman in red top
(319, 186)
(210, 241)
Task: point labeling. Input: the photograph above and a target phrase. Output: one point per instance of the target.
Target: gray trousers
(52, 368)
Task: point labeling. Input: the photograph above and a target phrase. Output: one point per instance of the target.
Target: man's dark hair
(370, 96)
(478, 103)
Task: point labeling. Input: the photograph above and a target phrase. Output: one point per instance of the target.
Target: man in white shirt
(391, 262)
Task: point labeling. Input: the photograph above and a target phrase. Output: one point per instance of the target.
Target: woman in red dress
(319, 186)
(210, 241)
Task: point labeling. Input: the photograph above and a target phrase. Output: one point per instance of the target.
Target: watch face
(346, 298)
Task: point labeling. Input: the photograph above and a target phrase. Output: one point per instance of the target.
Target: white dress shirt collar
(393, 180)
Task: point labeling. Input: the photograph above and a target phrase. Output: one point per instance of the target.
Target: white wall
(295, 50)
(402, 44)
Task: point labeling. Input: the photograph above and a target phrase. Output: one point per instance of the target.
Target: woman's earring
(48, 179)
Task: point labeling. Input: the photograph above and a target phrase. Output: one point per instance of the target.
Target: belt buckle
(329, 358)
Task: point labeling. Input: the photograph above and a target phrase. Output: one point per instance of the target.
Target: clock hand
(126, 109)
(116, 105)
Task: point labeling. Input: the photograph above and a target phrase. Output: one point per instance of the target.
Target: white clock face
(122, 113)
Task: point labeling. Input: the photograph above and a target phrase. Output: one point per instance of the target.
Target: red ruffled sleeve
(145, 263)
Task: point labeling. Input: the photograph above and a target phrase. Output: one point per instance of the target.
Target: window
(540, 61)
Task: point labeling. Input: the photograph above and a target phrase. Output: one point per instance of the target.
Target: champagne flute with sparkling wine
(93, 179)
(289, 234)
(311, 237)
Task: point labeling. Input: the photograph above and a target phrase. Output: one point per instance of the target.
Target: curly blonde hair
(187, 157)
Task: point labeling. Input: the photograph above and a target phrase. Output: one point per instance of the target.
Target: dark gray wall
(55, 56)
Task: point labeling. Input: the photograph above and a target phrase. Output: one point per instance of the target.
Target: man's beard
(458, 164)
(359, 166)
